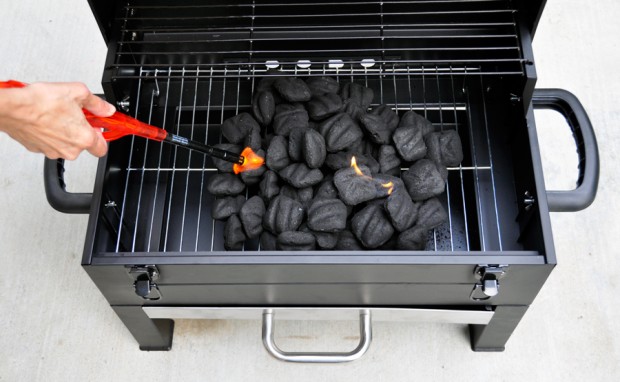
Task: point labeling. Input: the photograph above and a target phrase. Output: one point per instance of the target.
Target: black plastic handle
(569, 106)
(56, 192)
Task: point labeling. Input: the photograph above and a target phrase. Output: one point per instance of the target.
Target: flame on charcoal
(251, 161)
(388, 185)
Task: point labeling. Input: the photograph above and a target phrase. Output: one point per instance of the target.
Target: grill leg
(494, 335)
(150, 334)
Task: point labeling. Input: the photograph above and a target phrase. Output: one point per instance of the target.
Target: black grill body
(187, 66)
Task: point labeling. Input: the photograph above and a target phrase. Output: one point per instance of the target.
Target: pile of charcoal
(332, 178)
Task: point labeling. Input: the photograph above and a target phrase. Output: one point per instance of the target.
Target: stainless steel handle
(317, 357)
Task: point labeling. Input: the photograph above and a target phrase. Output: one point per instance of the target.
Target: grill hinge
(145, 278)
(488, 285)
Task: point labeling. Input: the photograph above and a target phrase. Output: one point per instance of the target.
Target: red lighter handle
(116, 126)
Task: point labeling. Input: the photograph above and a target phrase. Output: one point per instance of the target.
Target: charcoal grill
(156, 254)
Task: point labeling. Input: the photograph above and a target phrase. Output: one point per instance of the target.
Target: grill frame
(422, 280)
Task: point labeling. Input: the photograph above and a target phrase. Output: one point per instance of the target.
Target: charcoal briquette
(327, 215)
(326, 240)
(268, 187)
(268, 241)
(340, 131)
(254, 176)
(409, 142)
(371, 226)
(387, 184)
(444, 147)
(295, 144)
(222, 165)
(431, 214)
(289, 117)
(277, 154)
(236, 128)
(390, 117)
(411, 118)
(423, 180)
(251, 216)
(225, 184)
(289, 191)
(358, 94)
(389, 161)
(305, 195)
(223, 208)
(253, 139)
(342, 159)
(401, 210)
(283, 214)
(265, 83)
(354, 189)
(296, 241)
(323, 106)
(354, 110)
(299, 175)
(292, 89)
(413, 239)
(376, 129)
(327, 189)
(348, 242)
(233, 234)
(264, 107)
(313, 148)
(322, 85)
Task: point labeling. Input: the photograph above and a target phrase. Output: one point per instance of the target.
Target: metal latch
(488, 276)
(145, 277)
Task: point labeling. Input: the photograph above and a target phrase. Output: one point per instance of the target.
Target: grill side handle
(565, 103)
(55, 189)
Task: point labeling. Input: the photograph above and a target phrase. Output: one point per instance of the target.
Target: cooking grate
(478, 34)
(166, 208)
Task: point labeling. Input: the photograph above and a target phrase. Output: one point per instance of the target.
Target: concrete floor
(56, 326)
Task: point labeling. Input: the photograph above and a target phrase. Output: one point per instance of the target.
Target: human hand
(47, 118)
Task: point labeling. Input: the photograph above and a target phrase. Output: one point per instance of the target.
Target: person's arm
(47, 118)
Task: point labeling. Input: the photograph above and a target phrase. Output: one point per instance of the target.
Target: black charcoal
(354, 189)
(322, 85)
(354, 110)
(233, 234)
(323, 106)
(401, 210)
(289, 191)
(267, 139)
(225, 184)
(423, 180)
(386, 184)
(277, 154)
(313, 148)
(305, 195)
(340, 132)
(342, 159)
(296, 241)
(371, 226)
(327, 215)
(283, 214)
(251, 216)
(264, 107)
(431, 214)
(409, 141)
(236, 128)
(326, 240)
(254, 176)
(265, 83)
(347, 242)
(376, 129)
(327, 189)
(223, 208)
(268, 187)
(299, 175)
(411, 118)
(358, 94)
(253, 140)
(292, 89)
(289, 117)
(295, 144)
(413, 239)
(268, 241)
(444, 147)
(222, 165)
(389, 116)
(389, 161)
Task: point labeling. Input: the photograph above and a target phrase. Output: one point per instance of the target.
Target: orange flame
(251, 161)
(388, 185)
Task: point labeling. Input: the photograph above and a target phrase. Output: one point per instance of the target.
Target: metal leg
(151, 334)
(494, 335)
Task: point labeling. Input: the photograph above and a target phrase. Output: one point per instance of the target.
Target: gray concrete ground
(56, 326)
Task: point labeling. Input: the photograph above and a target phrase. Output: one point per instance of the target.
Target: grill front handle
(569, 106)
(317, 357)
(56, 192)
